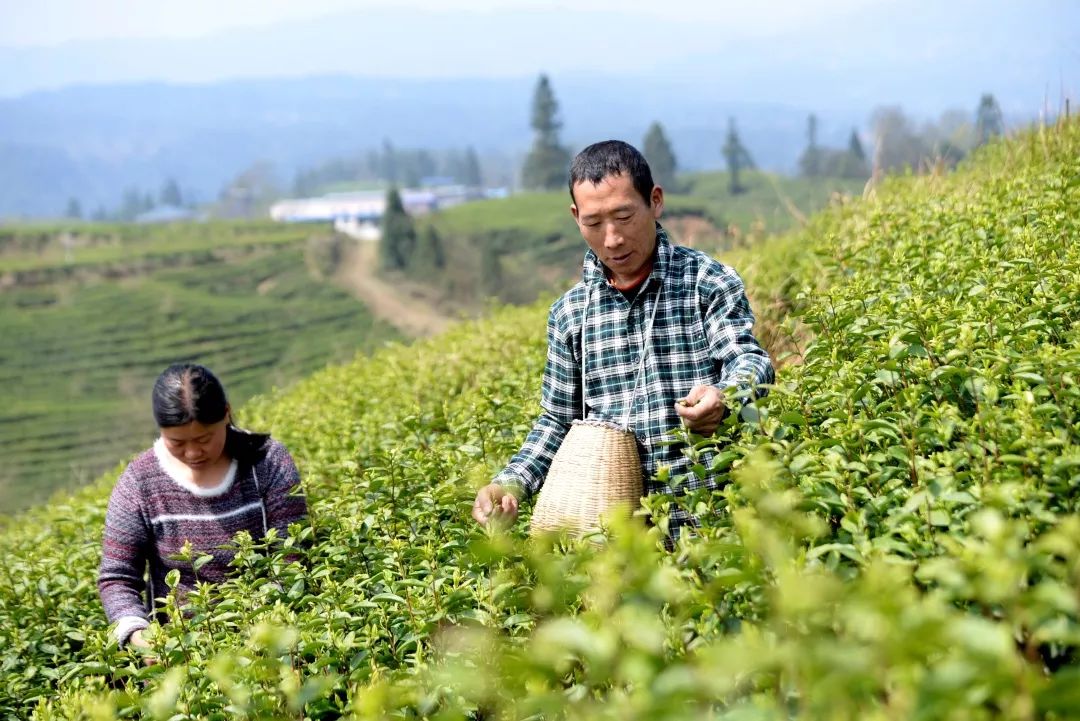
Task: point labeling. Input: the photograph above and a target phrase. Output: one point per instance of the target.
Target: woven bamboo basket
(596, 472)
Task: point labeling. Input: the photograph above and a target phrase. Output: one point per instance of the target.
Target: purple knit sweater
(151, 515)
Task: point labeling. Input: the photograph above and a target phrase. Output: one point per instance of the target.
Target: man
(689, 310)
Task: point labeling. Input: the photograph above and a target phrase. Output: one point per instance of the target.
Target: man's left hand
(702, 409)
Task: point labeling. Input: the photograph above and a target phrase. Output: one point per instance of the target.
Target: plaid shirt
(701, 335)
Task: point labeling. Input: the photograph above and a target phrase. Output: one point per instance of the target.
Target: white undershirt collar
(169, 465)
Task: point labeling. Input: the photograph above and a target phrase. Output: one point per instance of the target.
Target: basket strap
(584, 326)
(641, 357)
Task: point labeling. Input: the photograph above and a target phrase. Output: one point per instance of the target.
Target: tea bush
(897, 536)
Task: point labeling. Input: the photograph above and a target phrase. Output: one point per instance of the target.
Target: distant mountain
(132, 112)
(93, 142)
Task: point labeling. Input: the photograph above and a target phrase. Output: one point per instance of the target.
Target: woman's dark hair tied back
(186, 392)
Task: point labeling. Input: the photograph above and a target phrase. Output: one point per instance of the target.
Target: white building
(357, 207)
(359, 214)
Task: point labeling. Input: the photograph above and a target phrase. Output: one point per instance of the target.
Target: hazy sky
(30, 23)
(918, 52)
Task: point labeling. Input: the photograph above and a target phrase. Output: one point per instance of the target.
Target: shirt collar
(593, 272)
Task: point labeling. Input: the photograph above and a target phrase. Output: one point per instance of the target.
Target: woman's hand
(143, 646)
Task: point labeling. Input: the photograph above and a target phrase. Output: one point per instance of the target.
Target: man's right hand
(493, 500)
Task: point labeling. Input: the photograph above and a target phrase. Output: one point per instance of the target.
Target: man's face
(618, 225)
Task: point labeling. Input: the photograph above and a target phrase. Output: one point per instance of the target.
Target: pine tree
(425, 166)
(170, 194)
(660, 156)
(398, 241)
(988, 120)
(131, 205)
(74, 209)
(737, 158)
(855, 148)
(471, 174)
(388, 163)
(547, 163)
(852, 162)
(429, 255)
(810, 162)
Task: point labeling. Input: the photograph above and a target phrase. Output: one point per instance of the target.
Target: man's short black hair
(612, 157)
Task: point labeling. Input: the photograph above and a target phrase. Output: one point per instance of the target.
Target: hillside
(898, 538)
(91, 313)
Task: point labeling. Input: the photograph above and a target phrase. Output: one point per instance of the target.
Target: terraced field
(86, 330)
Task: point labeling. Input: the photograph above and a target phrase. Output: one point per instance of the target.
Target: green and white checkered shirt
(702, 335)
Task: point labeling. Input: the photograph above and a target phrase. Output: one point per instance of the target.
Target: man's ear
(657, 201)
(574, 211)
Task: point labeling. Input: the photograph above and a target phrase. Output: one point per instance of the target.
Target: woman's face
(196, 445)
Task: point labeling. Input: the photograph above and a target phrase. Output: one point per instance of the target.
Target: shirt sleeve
(282, 498)
(560, 404)
(125, 544)
(729, 325)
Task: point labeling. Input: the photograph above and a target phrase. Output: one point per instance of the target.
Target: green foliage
(471, 174)
(548, 161)
(849, 163)
(736, 156)
(832, 162)
(398, 241)
(896, 538)
(170, 193)
(135, 203)
(855, 148)
(430, 256)
(988, 120)
(657, 151)
(810, 161)
(73, 210)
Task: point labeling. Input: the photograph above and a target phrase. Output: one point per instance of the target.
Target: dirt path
(410, 314)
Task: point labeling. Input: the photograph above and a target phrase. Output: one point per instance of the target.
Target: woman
(203, 481)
